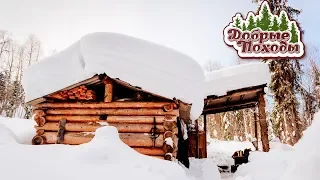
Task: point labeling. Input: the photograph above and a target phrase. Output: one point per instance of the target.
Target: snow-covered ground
(107, 157)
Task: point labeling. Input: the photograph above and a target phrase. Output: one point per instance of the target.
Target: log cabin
(145, 121)
(149, 92)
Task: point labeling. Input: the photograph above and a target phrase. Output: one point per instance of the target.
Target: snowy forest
(292, 96)
(15, 57)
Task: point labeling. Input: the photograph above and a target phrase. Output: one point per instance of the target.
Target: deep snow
(152, 67)
(236, 77)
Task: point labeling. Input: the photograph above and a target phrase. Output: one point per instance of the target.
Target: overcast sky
(193, 27)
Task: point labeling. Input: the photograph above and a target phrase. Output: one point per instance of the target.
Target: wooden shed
(146, 122)
(229, 89)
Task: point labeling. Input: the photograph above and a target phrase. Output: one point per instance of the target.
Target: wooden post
(108, 90)
(263, 122)
(60, 135)
(256, 144)
(197, 139)
(205, 132)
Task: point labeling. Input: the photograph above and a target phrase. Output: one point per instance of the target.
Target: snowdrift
(299, 162)
(105, 157)
(152, 67)
(236, 77)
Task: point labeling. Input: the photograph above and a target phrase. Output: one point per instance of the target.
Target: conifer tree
(238, 23)
(285, 86)
(265, 21)
(275, 24)
(294, 33)
(244, 27)
(252, 23)
(258, 22)
(284, 22)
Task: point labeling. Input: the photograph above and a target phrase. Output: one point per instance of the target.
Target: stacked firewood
(149, 128)
(77, 93)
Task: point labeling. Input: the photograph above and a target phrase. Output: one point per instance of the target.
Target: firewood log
(110, 119)
(117, 112)
(112, 105)
(150, 151)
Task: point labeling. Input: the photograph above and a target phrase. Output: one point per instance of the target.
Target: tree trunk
(263, 123)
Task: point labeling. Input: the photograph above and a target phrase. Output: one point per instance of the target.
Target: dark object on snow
(234, 168)
(241, 157)
(183, 147)
(223, 169)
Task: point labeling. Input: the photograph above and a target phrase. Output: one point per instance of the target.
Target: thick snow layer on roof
(236, 77)
(152, 67)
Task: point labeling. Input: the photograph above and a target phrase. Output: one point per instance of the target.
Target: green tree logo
(283, 34)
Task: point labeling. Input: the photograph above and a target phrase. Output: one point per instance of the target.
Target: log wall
(134, 121)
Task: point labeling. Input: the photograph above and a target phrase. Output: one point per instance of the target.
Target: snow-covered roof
(219, 82)
(152, 67)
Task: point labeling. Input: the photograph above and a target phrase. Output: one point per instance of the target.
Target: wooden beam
(258, 87)
(256, 128)
(61, 131)
(253, 89)
(108, 93)
(241, 97)
(263, 122)
(232, 108)
(168, 106)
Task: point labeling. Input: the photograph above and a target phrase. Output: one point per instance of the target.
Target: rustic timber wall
(148, 127)
(135, 122)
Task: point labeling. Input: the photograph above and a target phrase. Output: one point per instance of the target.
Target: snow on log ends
(236, 77)
(153, 67)
(169, 141)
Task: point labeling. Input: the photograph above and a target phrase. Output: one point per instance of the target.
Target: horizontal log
(140, 140)
(131, 139)
(150, 151)
(39, 113)
(38, 140)
(71, 138)
(103, 105)
(40, 121)
(92, 127)
(136, 128)
(77, 127)
(111, 119)
(115, 112)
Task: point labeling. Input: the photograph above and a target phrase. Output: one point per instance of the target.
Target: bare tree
(5, 41)
(210, 66)
(33, 49)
